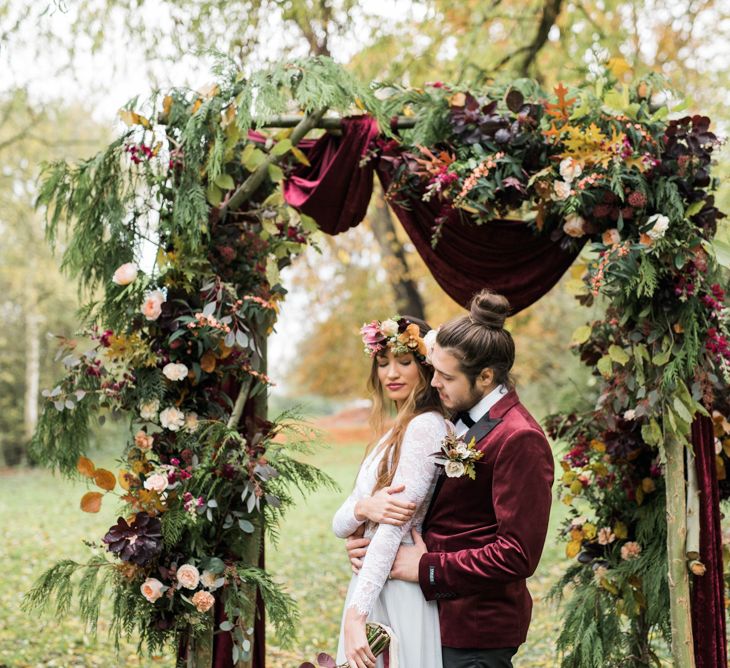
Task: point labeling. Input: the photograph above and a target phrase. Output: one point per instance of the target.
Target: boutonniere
(457, 456)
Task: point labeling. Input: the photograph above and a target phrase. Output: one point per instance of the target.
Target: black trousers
(478, 658)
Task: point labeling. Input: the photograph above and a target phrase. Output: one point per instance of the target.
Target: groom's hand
(356, 547)
(405, 566)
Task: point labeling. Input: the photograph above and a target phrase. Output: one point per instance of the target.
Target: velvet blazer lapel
(479, 430)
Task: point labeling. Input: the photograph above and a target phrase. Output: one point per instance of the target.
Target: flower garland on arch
(601, 165)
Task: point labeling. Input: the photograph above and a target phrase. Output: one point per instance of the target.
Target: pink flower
(203, 601)
(152, 305)
(371, 334)
(630, 550)
(156, 483)
(152, 589)
(606, 536)
(125, 274)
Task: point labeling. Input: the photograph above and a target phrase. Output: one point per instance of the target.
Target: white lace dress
(400, 605)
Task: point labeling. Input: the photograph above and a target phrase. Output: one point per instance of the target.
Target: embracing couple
(447, 518)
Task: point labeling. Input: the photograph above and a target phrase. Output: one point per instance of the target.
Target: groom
(481, 538)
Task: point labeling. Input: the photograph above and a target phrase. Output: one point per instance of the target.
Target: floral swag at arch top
(181, 350)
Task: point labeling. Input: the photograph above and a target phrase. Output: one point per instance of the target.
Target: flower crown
(396, 333)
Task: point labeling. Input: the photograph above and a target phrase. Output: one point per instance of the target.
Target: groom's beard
(467, 402)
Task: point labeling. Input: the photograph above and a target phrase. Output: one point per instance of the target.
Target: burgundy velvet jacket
(485, 536)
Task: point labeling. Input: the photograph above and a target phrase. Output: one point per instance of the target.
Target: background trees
(67, 63)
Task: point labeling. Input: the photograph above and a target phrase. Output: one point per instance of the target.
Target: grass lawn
(42, 523)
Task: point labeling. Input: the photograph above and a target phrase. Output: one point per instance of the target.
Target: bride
(396, 457)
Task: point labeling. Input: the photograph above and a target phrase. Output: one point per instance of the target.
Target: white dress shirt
(479, 409)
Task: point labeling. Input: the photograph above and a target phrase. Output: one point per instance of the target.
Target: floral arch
(510, 185)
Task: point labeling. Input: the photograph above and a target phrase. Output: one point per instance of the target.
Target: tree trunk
(255, 544)
(679, 600)
(407, 297)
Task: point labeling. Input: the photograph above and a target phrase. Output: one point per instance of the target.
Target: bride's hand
(357, 648)
(383, 508)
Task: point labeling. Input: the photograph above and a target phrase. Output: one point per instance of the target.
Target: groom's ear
(486, 377)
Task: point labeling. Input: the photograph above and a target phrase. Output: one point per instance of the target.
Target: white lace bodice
(417, 471)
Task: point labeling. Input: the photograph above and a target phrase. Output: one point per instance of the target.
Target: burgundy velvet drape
(708, 598)
(504, 255)
(509, 258)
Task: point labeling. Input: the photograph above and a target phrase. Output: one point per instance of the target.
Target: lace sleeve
(344, 522)
(416, 470)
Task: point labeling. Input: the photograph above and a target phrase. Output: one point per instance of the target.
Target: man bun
(479, 340)
(489, 309)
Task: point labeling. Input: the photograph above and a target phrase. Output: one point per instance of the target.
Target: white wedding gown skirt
(413, 619)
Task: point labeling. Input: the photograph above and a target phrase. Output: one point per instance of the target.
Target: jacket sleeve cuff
(431, 577)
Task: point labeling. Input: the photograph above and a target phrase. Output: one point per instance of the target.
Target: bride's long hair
(422, 399)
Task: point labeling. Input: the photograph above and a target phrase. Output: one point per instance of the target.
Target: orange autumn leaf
(127, 479)
(208, 361)
(86, 467)
(91, 502)
(562, 108)
(573, 548)
(105, 479)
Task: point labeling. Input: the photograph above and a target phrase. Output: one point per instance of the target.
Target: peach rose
(125, 274)
(152, 589)
(143, 440)
(611, 237)
(188, 576)
(561, 190)
(156, 483)
(152, 305)
(191, 422)
(575, 225)
(203, 601)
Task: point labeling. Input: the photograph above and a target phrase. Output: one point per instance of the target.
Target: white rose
(575, 225)
(188, 576)
(561, 190)
(630, 414)
(570, 169)
(156, 482)
(430, 341)
(175, 371)
(172, 418)
(389, 327)
(148, 409)
(125, 274)
(152, 589)
(152, 305)
(191, 422)
(454, 469)
(660, 224)
(211, 580)
(462, 450)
